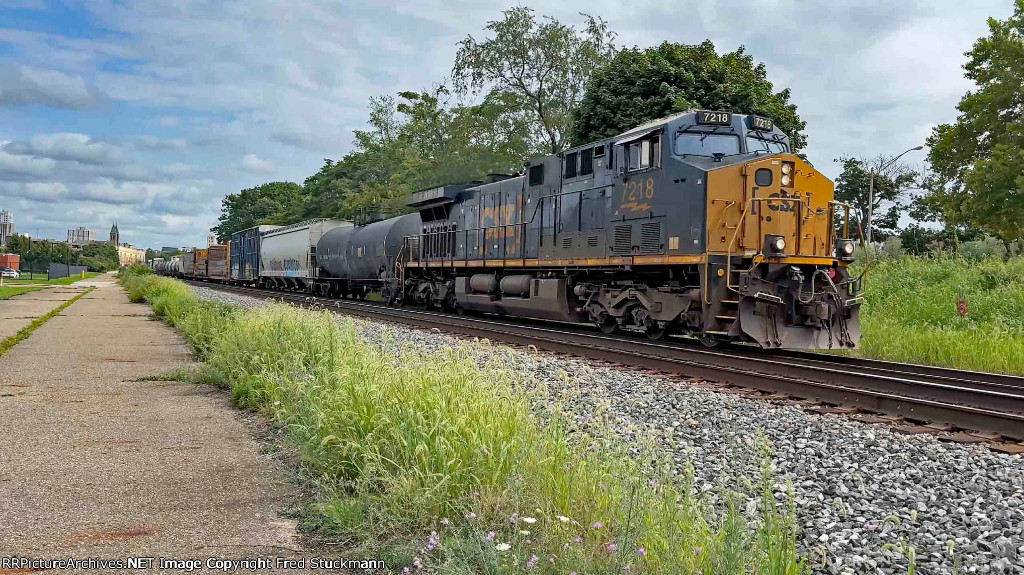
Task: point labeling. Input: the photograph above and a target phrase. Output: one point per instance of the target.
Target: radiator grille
(567, 243)
(650, 237)
(623, 239)
(591, 241)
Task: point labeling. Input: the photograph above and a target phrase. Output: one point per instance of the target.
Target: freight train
(703, 223)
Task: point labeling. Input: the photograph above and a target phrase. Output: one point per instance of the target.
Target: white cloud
(255, 164)
(67, 146)
(24, 85)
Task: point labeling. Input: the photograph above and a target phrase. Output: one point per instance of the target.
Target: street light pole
(871, 188)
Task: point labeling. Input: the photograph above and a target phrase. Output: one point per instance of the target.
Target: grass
(432, 460)
(911, 313)
(9, 292)
(43, 281)
(26, 331)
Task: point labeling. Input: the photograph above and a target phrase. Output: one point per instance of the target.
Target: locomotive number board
(714, 118)
(759, 123)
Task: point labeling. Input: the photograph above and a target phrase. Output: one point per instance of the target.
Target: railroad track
(966, 406)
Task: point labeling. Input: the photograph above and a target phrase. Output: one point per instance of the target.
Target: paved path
(21, 310)
(95, 463)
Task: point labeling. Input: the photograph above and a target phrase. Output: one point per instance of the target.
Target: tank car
(358, 260)
(703, 223)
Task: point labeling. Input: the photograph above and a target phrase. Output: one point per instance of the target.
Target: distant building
(115, 236)
(81, 236)
(211, 241)
(130, 255)
(6, 226)
(166, 249)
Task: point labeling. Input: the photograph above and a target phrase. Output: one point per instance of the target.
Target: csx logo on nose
(781, 206)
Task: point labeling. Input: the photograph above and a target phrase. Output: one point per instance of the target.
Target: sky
(148, 112)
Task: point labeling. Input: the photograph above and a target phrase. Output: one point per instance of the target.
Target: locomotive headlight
(787, 168)
(845, 249)
(774, 245)
(786, 178)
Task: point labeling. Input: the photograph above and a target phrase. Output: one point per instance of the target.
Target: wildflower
(532, 562)
(445, 521)
(598, 525)
(490, 536)
(641, 552)
(417, 563)
(565, 547)
(528, 541)
(698, 550)
(563, 518)
(432, 543)
(476, 494)
(502, 547)
(626, 568)
(612, 547)
(577, 540)
(514, 518)
(405, 571)
(551, 560)
(652, 483)
(471, 515)
(484, 451)
(529, 520)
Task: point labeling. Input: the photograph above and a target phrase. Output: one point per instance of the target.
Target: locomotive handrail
(741, 225)
(465, 232)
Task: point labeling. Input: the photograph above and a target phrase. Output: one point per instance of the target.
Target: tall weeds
(911, 313)
(431, 460)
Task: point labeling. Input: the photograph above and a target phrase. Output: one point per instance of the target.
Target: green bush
(402, 444)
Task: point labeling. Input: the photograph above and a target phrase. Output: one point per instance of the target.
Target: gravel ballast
(864, 494)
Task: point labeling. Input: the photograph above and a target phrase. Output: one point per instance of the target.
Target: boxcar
(245, 253)
(217, 264)
(202, 257)
(188, 264)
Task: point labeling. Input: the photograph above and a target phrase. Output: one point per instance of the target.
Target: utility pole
(871, 188)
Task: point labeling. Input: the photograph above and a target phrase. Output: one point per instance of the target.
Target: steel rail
(966, 400)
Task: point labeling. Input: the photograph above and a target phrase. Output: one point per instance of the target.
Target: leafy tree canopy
(637, 86)
(979, 159)
(538, 68)
(414, 142)
(272, 203)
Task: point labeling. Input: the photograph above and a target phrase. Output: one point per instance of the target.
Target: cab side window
(644, 154)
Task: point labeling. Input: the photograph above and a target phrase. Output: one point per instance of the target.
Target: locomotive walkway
(98, 461)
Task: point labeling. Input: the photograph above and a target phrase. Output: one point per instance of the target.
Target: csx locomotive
(703, 223)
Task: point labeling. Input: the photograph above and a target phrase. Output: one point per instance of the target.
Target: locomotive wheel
(654, 332)
(709, 339)
(608, 325)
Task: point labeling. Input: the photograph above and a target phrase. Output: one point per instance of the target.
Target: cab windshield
(706, 144)
(757, 145)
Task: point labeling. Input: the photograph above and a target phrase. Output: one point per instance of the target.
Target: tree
(417, 141)
(272, 203)
(979, 159)
(539, 69)
(642, 85)
(891, 188)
